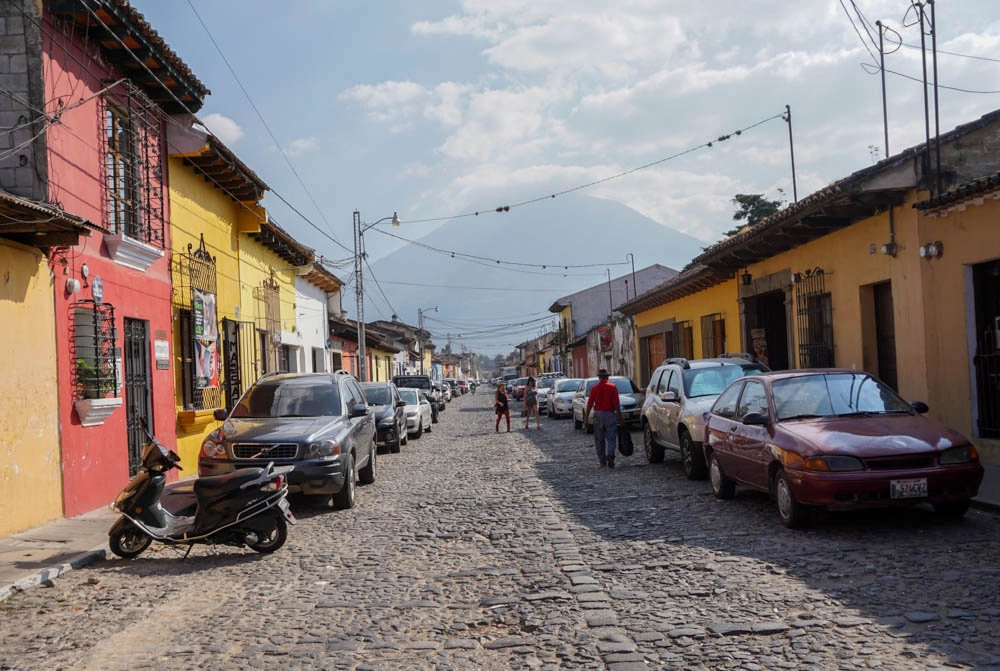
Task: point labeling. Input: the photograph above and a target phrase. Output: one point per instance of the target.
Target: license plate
(286, 510)
(908, 489)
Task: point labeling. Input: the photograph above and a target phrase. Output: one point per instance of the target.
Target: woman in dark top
(501, 407)
(531, 403)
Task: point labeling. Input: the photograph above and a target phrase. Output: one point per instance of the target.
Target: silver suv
(679, 395)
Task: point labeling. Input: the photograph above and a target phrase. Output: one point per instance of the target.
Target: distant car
(453, 385)
(463, 386)
(318, 422)
(517, 389)
(443, 394)
(630, 397)
(560, 397)
(390, 416)
(418, 411)
(835, 439)
(545, 386)
(679, 394)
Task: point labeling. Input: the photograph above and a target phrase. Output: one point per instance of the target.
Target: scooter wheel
(270, 540)
(129, 542)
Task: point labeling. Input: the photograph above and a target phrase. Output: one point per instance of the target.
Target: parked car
(418, 411)
(453, 385)
(679, 394)
(413, 382)
(544, 387)
(318, 422)
(835, 439)
(560, 397)
(463, 386)
(630, 397)
(443, 394)
(390, 416)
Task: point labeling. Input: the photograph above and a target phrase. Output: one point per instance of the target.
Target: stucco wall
(30, 482)
(311, 323)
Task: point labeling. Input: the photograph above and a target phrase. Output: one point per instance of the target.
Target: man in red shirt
(603, 398)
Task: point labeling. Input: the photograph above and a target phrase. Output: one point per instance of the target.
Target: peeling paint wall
(30, 467)
(620, 359)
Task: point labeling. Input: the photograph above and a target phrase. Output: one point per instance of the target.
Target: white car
(544, 391)
(560, 397)
(418, 411)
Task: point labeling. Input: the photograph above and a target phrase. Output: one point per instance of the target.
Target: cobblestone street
(477, 550)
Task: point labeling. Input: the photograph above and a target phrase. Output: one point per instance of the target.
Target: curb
(50, 572)
(986, 506)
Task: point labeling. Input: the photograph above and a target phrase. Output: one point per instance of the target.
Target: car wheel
(272, 539)
(692, 458)
(577, 424)
(344, 499)
(427, 429)
(398, 444)
(420, 430)
(367, 474)
(654, 452)
(129, 541)
(722, 487)
(792, 513)
(950, 508)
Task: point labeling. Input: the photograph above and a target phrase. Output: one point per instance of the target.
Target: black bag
(625, 445)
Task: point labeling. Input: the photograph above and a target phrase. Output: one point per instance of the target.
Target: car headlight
(213, 449)
(963, 454)
(834, 463)
(323, 448)
(387, 421)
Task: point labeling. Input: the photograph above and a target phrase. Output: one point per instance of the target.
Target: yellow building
(854, 276)
(30, 462)
(214, 197)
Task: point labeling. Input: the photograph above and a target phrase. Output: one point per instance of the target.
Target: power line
(372, 273)
(458, 286)
(260, 116)
(870, 69)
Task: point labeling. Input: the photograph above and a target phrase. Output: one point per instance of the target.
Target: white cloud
(223, 127)
(301, 146)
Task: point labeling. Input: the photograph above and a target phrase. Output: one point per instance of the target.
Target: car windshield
(546, 382)
(624, 385)
(290, 399)
(410, 396)
(418, 381)
(834, 395)
(377, 395)
(566, 385)
(710, 381)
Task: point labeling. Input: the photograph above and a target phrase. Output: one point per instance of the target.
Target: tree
(752, 207)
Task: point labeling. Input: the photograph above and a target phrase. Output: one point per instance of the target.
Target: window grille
(684, 339)
(268, 296)
(194, 278)
(96, 372)
(132, 174)
(713, 335)
(814, 312)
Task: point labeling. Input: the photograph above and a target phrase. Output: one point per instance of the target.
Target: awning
(40, 224)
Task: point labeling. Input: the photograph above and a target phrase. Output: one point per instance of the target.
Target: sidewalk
(29, 558)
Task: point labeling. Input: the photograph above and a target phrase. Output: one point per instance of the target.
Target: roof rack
(678, 360)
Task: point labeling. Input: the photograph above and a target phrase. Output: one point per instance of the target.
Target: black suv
(390, 414)
(318, 422)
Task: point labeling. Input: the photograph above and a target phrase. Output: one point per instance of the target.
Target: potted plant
(94, 381)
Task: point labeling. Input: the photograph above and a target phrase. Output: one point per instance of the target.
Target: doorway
(138, 393)
(767, 328)
(885, 334)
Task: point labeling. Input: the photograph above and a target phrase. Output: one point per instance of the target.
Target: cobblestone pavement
(514, 551)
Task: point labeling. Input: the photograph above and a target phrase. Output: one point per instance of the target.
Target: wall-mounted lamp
(746, 278)
(72, 285)
(932, 250)
(889, 249)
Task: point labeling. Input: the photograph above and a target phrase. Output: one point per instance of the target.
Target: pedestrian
(531, 403)
(603, 399)
(501, 407)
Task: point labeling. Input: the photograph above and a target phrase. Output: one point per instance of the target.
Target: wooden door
(885, 335)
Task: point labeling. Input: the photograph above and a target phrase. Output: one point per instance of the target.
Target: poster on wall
(205, 316)
(604, 338)
(206, 364)
(758, 341)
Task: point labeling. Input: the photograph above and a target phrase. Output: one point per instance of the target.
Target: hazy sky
(432, 107)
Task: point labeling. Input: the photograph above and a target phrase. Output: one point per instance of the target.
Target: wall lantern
(932, 250)
(746, 278)
(889, 249)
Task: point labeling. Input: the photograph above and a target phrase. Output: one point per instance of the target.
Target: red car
(835, 439)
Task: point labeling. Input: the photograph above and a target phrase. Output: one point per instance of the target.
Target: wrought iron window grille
(713, 335)
(814, 316)
(96, 371)
(195, 270)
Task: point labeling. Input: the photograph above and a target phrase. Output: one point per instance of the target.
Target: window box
(93, 411)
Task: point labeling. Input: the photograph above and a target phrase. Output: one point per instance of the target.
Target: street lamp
(359, 287)
(420, 325)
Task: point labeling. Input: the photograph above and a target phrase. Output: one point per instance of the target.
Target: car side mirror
(919, 407)
(219, 414)
(359, 411)
(756, 419)
(669, 397)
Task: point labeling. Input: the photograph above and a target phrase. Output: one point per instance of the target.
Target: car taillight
(275, 485)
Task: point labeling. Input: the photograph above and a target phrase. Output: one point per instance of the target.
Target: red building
(97, 88)
(579, 352)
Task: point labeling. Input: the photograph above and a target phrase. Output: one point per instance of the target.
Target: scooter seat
(216, 486)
